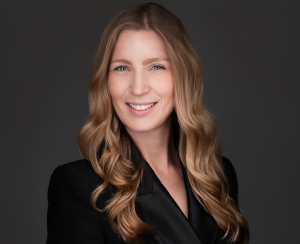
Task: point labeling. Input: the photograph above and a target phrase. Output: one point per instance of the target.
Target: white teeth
(141, 107)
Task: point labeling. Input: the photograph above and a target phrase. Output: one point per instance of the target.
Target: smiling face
(140, 81)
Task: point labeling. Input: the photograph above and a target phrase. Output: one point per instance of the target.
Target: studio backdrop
(250, 56)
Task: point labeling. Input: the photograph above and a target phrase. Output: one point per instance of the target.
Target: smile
(141, 107)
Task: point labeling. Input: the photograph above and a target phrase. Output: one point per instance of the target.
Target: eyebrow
(145, 62)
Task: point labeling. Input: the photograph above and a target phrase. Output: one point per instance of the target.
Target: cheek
(166, 90)
(115, 90)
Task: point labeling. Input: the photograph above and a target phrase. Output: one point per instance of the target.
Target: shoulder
(77, 180)
(72, 183)
(231, 176)
(71, 217)
(80, 170)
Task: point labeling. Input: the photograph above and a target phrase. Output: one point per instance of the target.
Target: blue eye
(124, 68)
(158, 67)
(121, 68)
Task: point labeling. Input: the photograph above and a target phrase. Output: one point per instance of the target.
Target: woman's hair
(105, 135)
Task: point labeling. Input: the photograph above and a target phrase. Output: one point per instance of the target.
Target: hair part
(105, 135)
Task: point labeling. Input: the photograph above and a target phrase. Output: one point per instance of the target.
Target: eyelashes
(123, 67)
(120, 67)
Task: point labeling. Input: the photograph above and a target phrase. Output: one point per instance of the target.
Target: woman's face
(140, 81)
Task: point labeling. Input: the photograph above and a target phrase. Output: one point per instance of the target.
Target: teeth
(141, 107)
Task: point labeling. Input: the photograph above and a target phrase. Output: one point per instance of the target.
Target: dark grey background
(250, 56)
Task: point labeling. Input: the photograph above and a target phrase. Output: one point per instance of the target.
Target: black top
(72, 219)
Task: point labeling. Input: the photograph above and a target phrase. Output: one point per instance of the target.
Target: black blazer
(71, 218)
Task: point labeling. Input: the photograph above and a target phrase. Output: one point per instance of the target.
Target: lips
(143, 103)
(141, 109)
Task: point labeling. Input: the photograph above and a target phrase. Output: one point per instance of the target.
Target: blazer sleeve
(231, 178)
(70, 216)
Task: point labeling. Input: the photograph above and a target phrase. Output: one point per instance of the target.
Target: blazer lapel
(203, 223)
(155, 206)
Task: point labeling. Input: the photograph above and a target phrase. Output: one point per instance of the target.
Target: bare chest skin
(174, 183)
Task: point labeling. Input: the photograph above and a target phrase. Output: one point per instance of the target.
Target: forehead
(132, 43)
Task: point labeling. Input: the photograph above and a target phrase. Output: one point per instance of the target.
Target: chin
(140, 127)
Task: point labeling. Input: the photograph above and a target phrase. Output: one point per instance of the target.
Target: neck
(156, 146)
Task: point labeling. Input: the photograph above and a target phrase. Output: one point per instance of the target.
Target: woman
(152, 171)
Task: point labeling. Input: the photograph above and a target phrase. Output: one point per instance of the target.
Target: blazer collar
(203, 223)
(155, 206)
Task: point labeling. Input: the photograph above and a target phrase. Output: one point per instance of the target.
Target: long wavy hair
(103, 140)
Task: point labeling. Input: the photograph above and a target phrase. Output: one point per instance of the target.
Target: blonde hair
(105, 134)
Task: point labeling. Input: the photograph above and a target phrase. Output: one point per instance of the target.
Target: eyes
(124, 68)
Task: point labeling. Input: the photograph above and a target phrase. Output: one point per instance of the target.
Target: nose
(139, 85)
